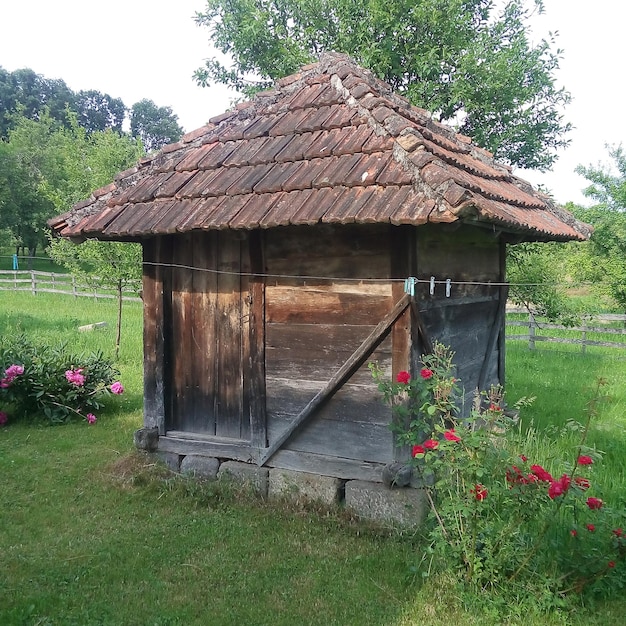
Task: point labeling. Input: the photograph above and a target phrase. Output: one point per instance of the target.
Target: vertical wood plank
(254, 367)
(244, 363)
(229, 336)
(504, 295)
(402, 255)
(182, 345)
(153, 337)
(203, 330)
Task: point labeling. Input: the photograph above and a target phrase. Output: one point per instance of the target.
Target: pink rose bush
(42, 381)
(499, 518)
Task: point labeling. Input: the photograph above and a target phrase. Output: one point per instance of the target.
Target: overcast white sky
(134, 49)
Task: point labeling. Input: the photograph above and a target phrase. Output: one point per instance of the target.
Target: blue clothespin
(409, 285)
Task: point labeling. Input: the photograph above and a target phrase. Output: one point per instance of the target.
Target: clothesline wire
(301, 277)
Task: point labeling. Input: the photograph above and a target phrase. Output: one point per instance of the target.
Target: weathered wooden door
(210, 335)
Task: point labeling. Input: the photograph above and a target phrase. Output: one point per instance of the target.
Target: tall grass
(92, 533)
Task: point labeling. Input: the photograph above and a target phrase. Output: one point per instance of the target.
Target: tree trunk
(118, 335)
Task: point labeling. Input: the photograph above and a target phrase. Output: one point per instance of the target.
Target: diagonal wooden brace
(360, 355)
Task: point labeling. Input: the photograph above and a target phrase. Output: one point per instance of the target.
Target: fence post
(532, 325)
(74, 287)
(33, 283)
(583, 346)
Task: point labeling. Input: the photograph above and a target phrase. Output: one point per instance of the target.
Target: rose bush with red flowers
(499, 519)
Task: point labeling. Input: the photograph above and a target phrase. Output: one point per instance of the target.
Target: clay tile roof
(330, 144)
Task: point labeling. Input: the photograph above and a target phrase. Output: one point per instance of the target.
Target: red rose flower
(451, 436)
(581, 482)
(480, 492)
(594, 503)
(541, 473)
(431, 444)
(573, 532)
(425, 373)
(618, 532)
(403, 377)
(523, 457)
(418, 450)
(585, 460)
(611, 564)
(590, 527)
(559, 487)
(495, 407)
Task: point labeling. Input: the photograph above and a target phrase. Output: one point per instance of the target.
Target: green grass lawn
(92, 533)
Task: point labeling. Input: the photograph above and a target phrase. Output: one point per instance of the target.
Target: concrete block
(373, 501)
(287, 483)
(246, 474)
(200, 466)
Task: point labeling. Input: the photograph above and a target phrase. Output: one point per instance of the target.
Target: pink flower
(431, 444)
(10, 374)
(75, 377)
(590, 527)
(4, 418)
(403, 377)
(523, 457)
(426, 373)
(14, 370)
(585, 460)
(117, 388)
(594, 503)
(418, 450)
(91, 418)
(480, 492)
(495, 408)
(451, 436)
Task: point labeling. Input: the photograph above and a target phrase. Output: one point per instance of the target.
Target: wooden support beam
(355, 361)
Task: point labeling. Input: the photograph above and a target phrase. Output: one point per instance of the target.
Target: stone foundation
(384, 503)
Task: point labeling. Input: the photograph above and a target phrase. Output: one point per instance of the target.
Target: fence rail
(594, 333)
(591, 333)
(51, 282)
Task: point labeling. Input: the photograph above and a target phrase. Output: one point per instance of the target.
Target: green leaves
(466, 61)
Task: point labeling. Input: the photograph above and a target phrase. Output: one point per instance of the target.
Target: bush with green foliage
(51, 382)
(501, 522)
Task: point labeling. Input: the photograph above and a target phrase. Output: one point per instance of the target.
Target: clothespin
(432, 285)
(448, 286)
(409, 285)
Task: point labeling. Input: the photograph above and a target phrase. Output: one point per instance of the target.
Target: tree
(108, 264)
(27, 93)
(99, 111)
(459, 59)
(155, 126)
(46, 167)
(603, 259)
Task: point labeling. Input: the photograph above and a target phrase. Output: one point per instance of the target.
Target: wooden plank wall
(312, 328)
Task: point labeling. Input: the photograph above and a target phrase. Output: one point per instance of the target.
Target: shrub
(500, 521)
(39, 380)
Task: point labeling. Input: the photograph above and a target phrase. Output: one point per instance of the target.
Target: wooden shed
(278, 240)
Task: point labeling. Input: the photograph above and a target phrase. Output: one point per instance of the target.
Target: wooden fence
(50, 282)
(593, 332)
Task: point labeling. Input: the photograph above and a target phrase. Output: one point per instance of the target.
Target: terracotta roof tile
(286, 206)
(331, 143)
